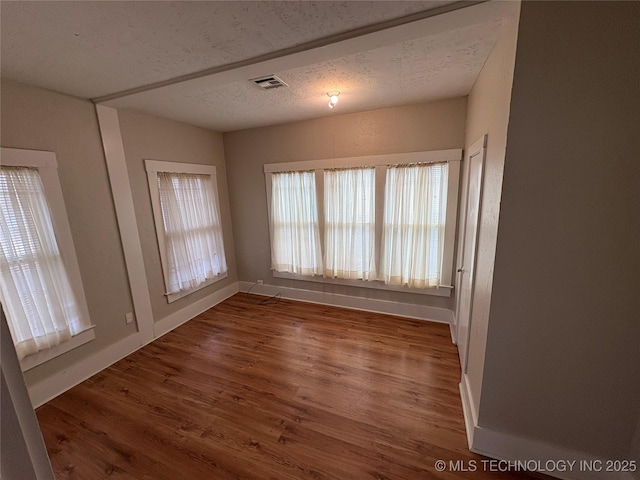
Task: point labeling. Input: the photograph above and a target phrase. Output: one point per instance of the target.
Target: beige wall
(147, 137)
(488, 113)
(38, 119)
(562, 363)
(431, 126)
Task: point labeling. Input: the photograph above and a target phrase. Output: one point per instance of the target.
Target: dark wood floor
(286, 391)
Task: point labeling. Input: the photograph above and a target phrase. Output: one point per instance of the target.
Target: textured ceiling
(95, 49)
(441, 66)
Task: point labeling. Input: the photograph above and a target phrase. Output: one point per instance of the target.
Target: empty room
(320, 240)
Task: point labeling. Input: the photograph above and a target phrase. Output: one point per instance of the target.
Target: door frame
(479, 147)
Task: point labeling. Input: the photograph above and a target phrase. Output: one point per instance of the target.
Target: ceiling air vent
(269, 82)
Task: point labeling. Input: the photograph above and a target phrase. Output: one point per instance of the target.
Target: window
(295, 238)
(187, 217)
(40, 287)
(386, 221)
(349, 223)
(415, 208)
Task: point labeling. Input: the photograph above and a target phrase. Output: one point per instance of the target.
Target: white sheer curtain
(192, 229)
(414, 223)
(295, 236)
(349, 223)
(39, 303)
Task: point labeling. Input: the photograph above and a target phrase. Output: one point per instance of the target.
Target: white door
(469, 237)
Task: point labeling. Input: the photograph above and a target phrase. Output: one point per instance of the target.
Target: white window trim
(153, 167)
(47, 166)
(451, 156)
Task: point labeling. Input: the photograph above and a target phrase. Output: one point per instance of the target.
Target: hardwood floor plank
(290, 391)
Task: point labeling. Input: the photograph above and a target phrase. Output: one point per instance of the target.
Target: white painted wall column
(24, 456)
(123, 202)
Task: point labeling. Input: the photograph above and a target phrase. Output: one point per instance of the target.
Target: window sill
(443, 291)
(35, 359)
(172, 297)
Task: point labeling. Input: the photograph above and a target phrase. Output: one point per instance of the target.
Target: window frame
(152, 168)
(452, 156)
(47, 166)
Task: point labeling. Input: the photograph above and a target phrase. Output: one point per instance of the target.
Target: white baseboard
(454, 327)
(49, 388)
(452, 330)
(551, 459)
(176, 319)
(420, 312)
(468, 409)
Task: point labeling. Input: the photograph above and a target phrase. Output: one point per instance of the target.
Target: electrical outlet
(128, 317)
(260, 282)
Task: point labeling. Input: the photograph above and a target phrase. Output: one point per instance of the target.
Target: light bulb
(333, 98)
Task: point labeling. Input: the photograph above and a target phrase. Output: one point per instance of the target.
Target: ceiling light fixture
(333, 98)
